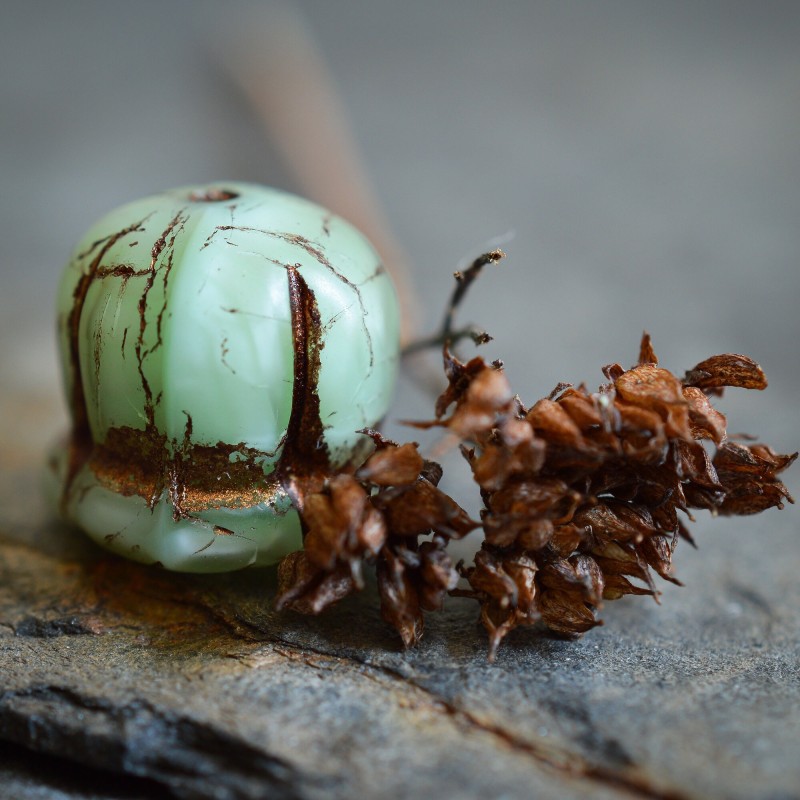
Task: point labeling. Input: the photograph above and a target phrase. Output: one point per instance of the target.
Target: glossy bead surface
(222, 345)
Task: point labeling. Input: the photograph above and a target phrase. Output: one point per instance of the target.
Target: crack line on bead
(80, 444)
(224, 350)
(304, 461)
(316, 253)
(165, 242)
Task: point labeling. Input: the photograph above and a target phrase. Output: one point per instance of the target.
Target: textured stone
(24, 774)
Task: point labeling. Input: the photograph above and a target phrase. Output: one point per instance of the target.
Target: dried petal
(348, 501)
(582, 409)
(648, 384)
(392, 466)
(522, 570)
(777, 462)
(565, 614)
(342, 525)
(646, 353)
(635, 419)
(587, 572)
(659, 390)
(657, 552)
(616, 521)
(326, 538)
(699, 485)
(705, 420)
(437, 575)
(487, 396)
(757, 459)
(540, 497)
(305, 588)
(489, 578)
(399, 601)
(730, 369)
(459, 378)
(497, 463)
(554, 424)
(642, 433)
(506, 589)
(566, 539)
(617, 559)
(424, 508)
(613, 371)
(749, 478)
(371, 532)
(617, 586)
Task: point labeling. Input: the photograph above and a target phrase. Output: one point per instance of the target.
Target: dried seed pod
(377, 518)
(221, 347)
(588, 497)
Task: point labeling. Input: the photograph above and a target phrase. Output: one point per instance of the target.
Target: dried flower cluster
(581, 493)
(378, 515)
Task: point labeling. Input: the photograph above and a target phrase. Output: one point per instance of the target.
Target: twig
(448, 336)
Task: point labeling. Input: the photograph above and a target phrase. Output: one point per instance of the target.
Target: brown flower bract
(582, 491)
(377, 517)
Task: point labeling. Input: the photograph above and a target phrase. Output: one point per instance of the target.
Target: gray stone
(28, 775)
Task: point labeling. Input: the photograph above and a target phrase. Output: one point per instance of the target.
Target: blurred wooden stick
(273, 59)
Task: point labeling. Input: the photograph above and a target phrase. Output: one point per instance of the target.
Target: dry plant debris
(377, 516)
(582, 495)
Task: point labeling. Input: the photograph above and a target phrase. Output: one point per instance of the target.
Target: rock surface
(25, 774)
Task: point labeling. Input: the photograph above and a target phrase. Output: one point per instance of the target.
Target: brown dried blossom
(377, 516)
(582, 492)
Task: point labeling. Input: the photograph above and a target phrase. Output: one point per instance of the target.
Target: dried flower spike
(377, 517)
(583, 491)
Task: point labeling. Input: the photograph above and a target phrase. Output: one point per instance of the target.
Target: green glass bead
(221, 346)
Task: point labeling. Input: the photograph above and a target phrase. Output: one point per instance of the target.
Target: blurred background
(638, 161)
